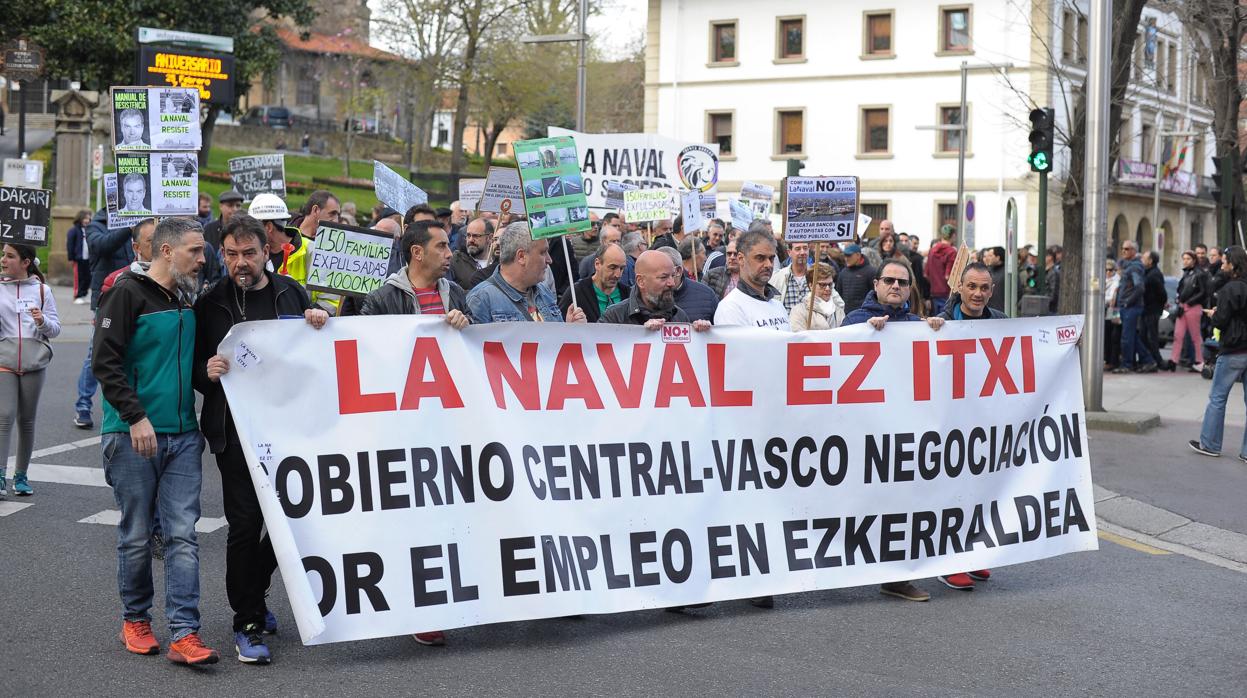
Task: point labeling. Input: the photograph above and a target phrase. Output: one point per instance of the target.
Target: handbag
(27, 353)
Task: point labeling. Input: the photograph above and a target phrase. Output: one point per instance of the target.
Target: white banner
(437, 479)
(646, 160)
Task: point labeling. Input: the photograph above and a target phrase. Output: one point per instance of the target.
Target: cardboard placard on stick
(259, 174)
(470, 191)
(155, 118)
(554, 192)
(112, 203)
(394, 190)
(647, 205)
(503, 192)
(25, 215)
(820, 209)
(348, 260)
(158, 184)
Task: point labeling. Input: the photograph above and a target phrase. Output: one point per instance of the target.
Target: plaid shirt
(796, 289)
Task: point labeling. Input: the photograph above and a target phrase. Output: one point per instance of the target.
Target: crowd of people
(167, 292)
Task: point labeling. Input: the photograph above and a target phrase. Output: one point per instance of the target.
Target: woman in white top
(828, 310)
(27, 321)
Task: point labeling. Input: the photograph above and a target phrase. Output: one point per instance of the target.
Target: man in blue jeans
(1230, 317)
(143, 356)
(1130, 304)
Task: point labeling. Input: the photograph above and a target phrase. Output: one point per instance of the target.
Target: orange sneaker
(137, 635)
(192, 650)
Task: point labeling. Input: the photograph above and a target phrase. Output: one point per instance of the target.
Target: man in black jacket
(596, 293)
(248, 292)
(109, 251)
(474, 256)
(994, 259)
(1155, 297)
(652, 304)
(420, 287)
(855, 280)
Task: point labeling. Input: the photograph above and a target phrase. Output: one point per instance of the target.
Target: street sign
(22, 172)
(23, 60)
(968, 238)
(97, 162)
(224, 44)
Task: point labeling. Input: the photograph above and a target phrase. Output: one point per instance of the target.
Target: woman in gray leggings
(27, 321)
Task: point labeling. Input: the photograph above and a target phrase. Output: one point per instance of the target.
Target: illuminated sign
(211, 73)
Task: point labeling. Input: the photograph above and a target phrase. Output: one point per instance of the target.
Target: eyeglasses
(824, 284)
(888, 281)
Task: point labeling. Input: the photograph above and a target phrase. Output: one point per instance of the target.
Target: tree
(476, 18)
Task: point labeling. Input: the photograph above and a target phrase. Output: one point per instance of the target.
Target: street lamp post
(582, 39)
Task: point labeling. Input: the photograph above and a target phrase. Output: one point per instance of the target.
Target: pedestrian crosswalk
(112, 517)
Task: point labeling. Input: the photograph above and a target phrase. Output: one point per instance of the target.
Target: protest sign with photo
(394, 190)
(348, 260)
(155, 118)
(25, 215)
(112, 204)
(503, 191)
(755, 191)
(820, 209)
(647, 205)
(470, 191)
(872, 462)
(160, 184)
(615, 193)
(645, 160)
(742, 213)
(554, 193)
(258, 174)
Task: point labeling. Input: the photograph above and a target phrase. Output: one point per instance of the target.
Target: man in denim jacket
(515, 293)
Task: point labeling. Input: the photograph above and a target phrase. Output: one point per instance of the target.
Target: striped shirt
(430, 301)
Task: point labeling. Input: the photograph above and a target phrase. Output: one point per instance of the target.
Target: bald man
(597, 292)
(653, 303)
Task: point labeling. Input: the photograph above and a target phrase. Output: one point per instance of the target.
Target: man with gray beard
(478, 237)
(653, 302)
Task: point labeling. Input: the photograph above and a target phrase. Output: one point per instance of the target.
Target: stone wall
(263, 138)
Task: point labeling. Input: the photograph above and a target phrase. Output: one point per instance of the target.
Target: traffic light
(1219, 190)
(1042, 122)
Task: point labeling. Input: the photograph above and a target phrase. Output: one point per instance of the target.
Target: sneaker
(434, 638)
(250, 645)
(1123, 369)
(83, 420)
(157, 546)
(1197, 447)
(1148, 368)
(270, 623)
(21, 487)
(904, 590)
(138, 638)
(763, 602)
(960, 581)
(1242, 458)
(980, 575)
(191, 650)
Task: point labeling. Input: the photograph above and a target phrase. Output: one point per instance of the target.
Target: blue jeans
(168, 483)
(1229, 369)
(1131, 338)
(87, 384)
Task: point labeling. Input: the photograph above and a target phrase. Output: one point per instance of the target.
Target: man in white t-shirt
(754, 302)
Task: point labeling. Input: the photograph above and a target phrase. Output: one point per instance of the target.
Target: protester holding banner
(889, 299)
(828, 307)
(653, 303)
(599, 291)
(694, 297)
(28, 320)
(248, 292)
(144, 346)
(514, 293)
(420, 287)
(971, 300)
(754, 302)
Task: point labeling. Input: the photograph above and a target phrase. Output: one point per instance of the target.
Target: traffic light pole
(1040, 272)
(1095, 209)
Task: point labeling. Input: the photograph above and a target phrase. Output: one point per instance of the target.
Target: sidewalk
(1179, 395)
(35, 139)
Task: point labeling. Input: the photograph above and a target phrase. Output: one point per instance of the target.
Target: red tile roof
(329, 44)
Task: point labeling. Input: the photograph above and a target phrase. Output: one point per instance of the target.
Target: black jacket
(215, 314)
(632, 312)
(853, 283)
(463, 266)
(697, 299)
(587, 298)
(954, 302)
(396, 297)
(110, 250)
(1154, 295)
(997, 301)
(1231, 316)
(1194, 286)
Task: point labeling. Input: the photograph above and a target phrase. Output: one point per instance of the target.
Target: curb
(1161, 528)
(1123, 422)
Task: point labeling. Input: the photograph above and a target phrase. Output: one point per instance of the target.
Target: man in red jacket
(939, 264)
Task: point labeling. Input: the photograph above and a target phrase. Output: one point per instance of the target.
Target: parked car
(1166, 316)
(273, 117)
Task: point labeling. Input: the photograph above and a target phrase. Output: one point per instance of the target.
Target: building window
(1073, 37)
(949, 141)
(876, 130)
(1197, 151)
(955, 29)
(306, 90)
(1147, 138)
(500, 149)
(719, 130)
(1172, 68)
(877, 39)
(723, 42)
(945, 214)
(790, 37)
(877, 212)
(789, 131)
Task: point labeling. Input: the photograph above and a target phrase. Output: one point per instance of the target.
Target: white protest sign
(423, 488)
(615, 193)
(470, 191)
(645, 205)
(755, 191)
(742, 213)
(159, 184)
(503, 191)
(348, 260)
(690, 210)
(112, 203)
(155, 118)
(820, 209)
(394, 190)
(258, 174)
(20, 172)
(646, 160)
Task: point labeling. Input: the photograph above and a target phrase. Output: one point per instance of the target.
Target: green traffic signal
(1039, 162)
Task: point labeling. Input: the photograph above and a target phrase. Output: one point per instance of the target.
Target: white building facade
(845, 87)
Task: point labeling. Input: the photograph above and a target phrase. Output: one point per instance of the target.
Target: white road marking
(61, 448)
(67, 474)
(7, 507)
(112, 517)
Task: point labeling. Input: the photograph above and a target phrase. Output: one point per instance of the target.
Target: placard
(470, 191)
(503, 191)
(157, 184)
(820, 209)
(394, 190)
(755, 191)
(644, 160)
(554, 194)
(23, 172)
(155, 118)
(112, 204)
(258, 174)
(25, 215)
(615, 193)
(348, 260)
(690, 211)
(647, 205)
(742, 213)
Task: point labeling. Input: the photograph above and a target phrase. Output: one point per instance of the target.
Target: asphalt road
(1124, 620)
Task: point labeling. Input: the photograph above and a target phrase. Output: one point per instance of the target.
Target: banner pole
(809, 311)
(571, 279)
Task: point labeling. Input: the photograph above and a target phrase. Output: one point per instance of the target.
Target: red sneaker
(434, 638)
(192, 650)
(981, 575)
(138, 638)
(960, 581)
